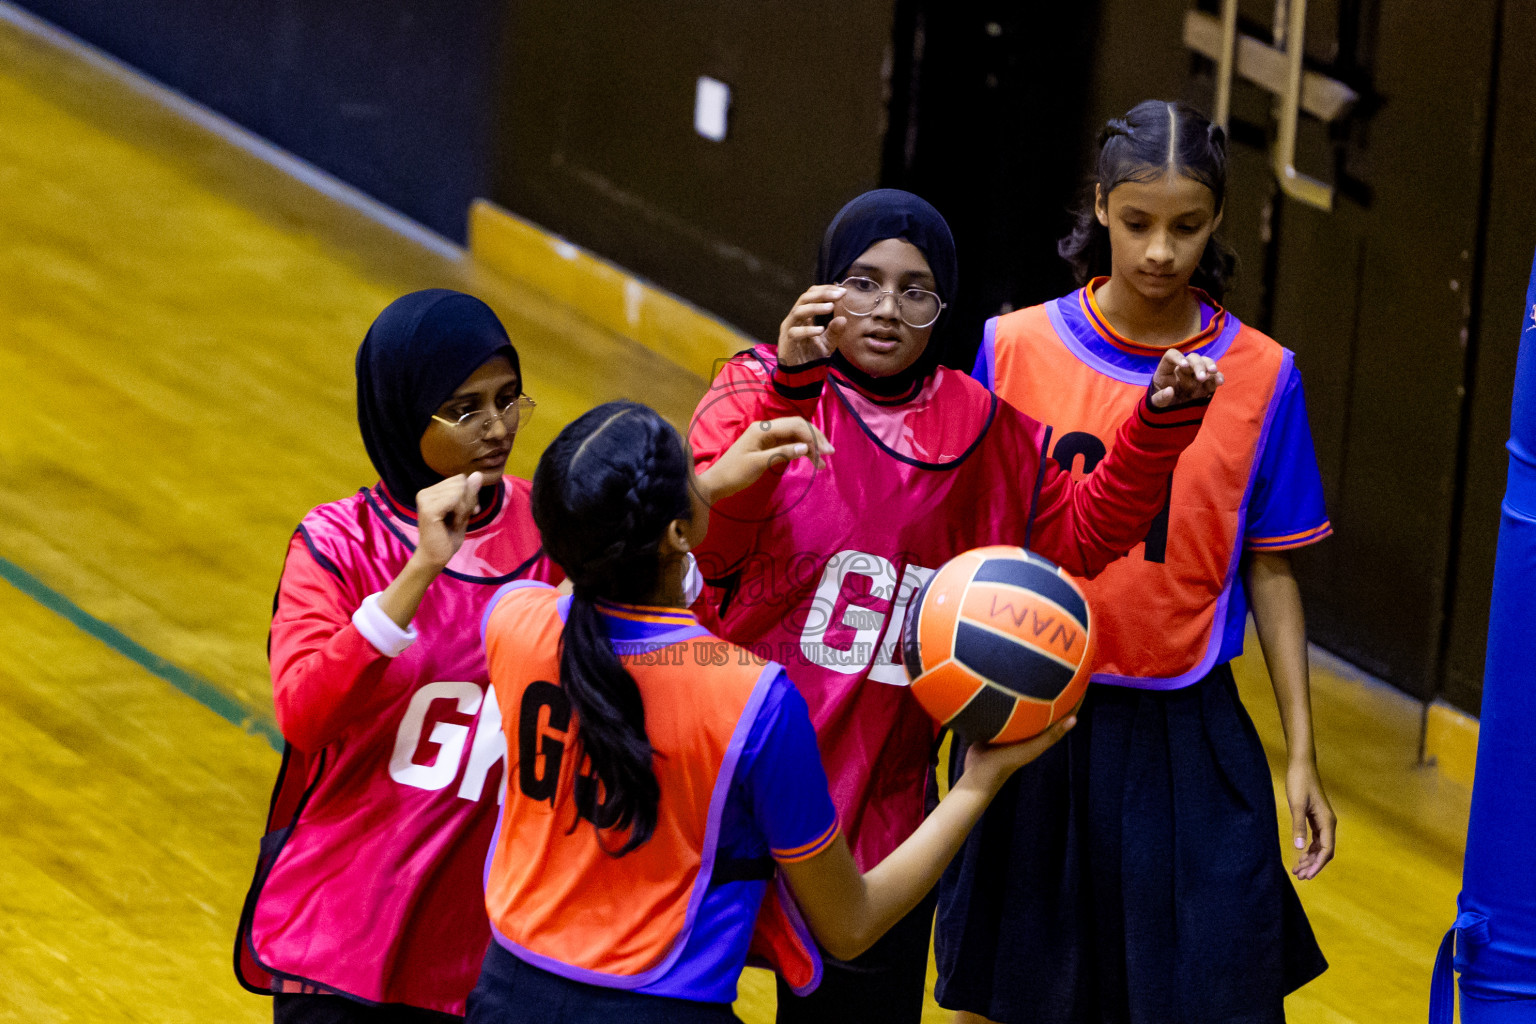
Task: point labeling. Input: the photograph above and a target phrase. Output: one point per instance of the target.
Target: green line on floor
(196, 687)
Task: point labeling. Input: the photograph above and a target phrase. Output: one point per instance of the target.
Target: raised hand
(443, 512)
(801, 339)
(762, 445)
(1180, 379)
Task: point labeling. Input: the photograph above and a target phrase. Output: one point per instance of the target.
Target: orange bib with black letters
(556, 896)
(1159, 612)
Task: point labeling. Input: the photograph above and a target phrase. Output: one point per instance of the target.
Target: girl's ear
(1217, 222)
(1101, 205)
(675, 540)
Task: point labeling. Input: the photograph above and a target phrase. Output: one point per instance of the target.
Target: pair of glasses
(513, 413)
(917, 307)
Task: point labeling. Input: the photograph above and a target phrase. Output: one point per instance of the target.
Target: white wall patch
(711, 108)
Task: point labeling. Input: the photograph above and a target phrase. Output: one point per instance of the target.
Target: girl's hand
(1309, 804)
(989, 766)
(801, 339)
(1180, 379)
(443, 512)
(763, 444)
(848, 911)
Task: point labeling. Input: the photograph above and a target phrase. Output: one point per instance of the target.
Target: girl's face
(483, 443)
(1157, 232)
(882, 344)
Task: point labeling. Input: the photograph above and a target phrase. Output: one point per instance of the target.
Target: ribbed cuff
(380, 630)
(802, 381)
(1183, 414)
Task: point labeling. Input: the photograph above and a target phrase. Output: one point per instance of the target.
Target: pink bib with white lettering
(369, 883)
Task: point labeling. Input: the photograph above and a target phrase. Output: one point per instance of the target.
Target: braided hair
(1154, 138)
(603, 495)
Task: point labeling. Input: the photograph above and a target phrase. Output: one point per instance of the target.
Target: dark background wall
(990, 121)
(1498, 315)
(393, 96)
(598, 144)
(1403, 303)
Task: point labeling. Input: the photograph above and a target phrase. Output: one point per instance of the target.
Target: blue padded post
(1495, 933)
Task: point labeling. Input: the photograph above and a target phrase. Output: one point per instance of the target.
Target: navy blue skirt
(303, 1008)
(1131, 875)
(513, 992)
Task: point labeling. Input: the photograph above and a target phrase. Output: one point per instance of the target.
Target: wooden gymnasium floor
(177, 323)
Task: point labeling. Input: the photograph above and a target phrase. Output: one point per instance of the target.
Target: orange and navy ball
(998, 644)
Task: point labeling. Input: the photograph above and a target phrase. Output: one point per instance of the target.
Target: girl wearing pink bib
(367, 902)
(815, 567)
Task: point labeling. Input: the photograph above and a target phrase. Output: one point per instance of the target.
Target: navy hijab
(874, 217)
(416, 354)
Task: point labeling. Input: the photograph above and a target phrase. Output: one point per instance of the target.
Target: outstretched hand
(993, 764)
(801, 339)
(764, 444)
(1184, 378)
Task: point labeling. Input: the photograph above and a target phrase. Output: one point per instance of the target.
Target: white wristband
(380, 630)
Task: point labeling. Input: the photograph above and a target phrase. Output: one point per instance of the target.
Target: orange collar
(646, 613)
(1101, 324)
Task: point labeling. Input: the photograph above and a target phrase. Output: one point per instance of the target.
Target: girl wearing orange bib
(1133, 875)
(666, 814)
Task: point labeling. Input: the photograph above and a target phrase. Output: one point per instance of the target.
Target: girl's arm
(327, 655)
(1084, 525)
(323, 668)
(742, 398)
(847, 911)
(760, 447)
(1277, 613)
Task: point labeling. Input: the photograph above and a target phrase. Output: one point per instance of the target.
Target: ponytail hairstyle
(1155, 138)
(603, 495)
